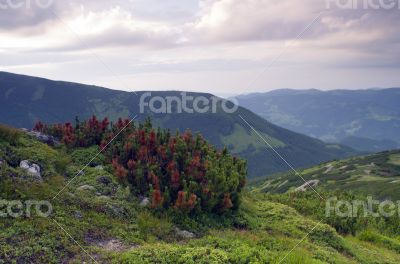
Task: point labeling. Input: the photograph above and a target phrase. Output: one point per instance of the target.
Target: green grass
(395, 159)
(377, 175)
(263, 230)
(240, 140)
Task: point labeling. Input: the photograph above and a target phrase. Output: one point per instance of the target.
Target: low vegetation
(101, 210)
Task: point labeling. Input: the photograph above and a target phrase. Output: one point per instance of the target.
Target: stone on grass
(184, 234)
(86, 188)
(145, 202)
(32, 170)
(307, 185)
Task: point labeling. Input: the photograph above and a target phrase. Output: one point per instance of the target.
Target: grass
(9, 134)
(240, 140)
(374, 175)
(395, 159)
(264, 230)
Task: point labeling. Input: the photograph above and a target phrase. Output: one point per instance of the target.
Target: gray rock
(86, 188)
(32, 169)
(112, 245)
(49, 140)
(116, 210)
(78, 215)
(145, 202)
(184, 234)
(307, 185)
(99, 167)
(104, 197)
(104, 180)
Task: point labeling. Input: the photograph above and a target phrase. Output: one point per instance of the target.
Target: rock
(309, 184)
(99, 167)
(106, 187)
(184, 234)
(49, 140)
(145, 202)
(32, 169)
(115, 210)
(78, 215)
(329, 168)
(104, 180)
(104, 197)
(112, 245)
(86, 188)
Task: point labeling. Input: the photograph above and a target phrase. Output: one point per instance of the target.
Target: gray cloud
(203, 36)
(24, 14)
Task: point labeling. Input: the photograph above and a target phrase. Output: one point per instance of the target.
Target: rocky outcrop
(32, 169)
(112, 245)
(184, 234)
(307, 185)
(49, 140)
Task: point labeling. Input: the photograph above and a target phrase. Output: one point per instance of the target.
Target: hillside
(366, 120)
(25, 100)
(377, 175)
(99, 219)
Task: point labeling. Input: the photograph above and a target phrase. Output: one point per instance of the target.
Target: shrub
(183, 171)
(9, 134)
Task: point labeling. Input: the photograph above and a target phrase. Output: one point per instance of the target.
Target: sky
(225, 47)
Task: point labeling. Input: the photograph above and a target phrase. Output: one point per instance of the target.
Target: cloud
(115, 28)
(170, 37)
(24, 16)
(249, 20)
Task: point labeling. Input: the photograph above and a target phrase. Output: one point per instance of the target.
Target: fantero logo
(186, 104)
(26, 4)
(30, 208)
(363, 4)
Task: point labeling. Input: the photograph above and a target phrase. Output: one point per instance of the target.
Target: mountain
(98, 219)
(377, 175)
(25, 100)
(367, 120)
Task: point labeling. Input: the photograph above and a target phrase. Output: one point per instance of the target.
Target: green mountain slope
(98, 220)
(377, 175)
(367, 120)
(25, 100)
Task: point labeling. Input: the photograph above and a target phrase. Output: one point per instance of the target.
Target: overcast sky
(218, 46)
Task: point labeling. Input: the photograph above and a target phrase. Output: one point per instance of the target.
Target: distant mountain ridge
(376, 174)
(367, 120)
(25, 100)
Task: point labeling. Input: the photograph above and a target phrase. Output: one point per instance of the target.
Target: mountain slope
(377, 175)
(25, 100)
(98, 220)
(364, 119)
